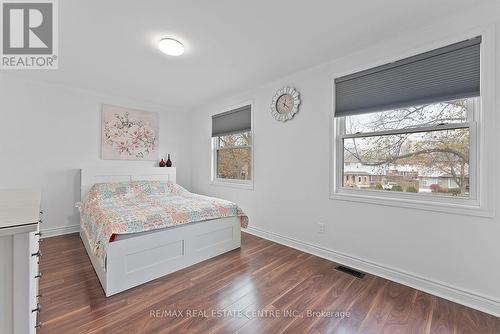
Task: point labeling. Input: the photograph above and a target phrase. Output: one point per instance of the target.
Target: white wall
(48, 132)
(454, 256)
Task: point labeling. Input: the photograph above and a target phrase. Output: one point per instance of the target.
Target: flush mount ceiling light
(171, 47)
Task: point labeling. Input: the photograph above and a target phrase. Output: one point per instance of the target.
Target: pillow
(176, 189)
(141, 188)
(102, 191)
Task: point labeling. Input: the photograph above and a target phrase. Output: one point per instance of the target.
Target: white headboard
(91, 176)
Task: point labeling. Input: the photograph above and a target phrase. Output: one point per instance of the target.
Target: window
(234, 156)
(411, 127)
(420, 149)
(232, 147)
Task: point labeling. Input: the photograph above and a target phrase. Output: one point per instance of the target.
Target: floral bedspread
(138, 206)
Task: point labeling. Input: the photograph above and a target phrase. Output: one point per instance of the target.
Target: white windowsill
(232, 184)
(468, 207)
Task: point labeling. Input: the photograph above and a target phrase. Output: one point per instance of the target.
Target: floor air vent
(350, 271)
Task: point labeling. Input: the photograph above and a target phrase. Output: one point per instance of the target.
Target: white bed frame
(143, 257)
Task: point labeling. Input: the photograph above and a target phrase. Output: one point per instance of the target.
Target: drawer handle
(39, 254)
(41, 212)
(39, 324)
(38, 308)
(38, 234)
(40, 221)
(39, 275)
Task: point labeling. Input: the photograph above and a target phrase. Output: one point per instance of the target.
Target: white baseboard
(52, 232)
(440, 289)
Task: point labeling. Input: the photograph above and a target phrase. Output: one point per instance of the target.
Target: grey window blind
(447, 73)
(233, 121)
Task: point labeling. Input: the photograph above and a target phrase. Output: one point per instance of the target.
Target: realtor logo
(29, 34)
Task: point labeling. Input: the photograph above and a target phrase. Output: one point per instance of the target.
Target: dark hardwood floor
(263, 287)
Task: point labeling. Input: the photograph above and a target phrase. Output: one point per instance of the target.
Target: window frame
(481, 199)
(233, 183)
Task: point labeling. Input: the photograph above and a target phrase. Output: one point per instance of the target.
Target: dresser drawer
(19, 256)
(34, 273)
(33, 282)
(34, 323)
(35, 238)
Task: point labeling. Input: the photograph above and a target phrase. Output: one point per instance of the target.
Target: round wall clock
(285, 104)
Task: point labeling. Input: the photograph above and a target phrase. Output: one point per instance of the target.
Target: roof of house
(356, 173)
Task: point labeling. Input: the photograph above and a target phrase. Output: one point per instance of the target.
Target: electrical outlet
(321, 228)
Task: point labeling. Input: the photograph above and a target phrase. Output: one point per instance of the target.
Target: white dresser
(20, 217)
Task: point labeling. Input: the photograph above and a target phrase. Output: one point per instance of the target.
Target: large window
(232, 147)
(408, 130)
(420, 149)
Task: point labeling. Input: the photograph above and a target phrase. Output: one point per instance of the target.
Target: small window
(234, 156)
(232, 146)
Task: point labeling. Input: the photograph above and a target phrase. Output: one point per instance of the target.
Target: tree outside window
(419, 149)
(234, 156)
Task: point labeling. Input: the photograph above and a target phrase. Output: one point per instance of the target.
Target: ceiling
(231, 45)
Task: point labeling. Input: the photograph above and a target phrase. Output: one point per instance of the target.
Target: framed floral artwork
(129, 134)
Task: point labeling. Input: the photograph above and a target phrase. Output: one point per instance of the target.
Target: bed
(125, 254)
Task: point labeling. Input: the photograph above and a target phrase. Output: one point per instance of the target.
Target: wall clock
(285, 104)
